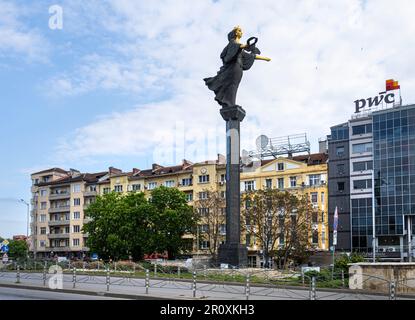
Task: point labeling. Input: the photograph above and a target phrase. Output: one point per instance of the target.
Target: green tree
(18, 249)
(171, 218)
(118, 224)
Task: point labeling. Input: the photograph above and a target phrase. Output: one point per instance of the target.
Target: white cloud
(325, 55)
(18, 40)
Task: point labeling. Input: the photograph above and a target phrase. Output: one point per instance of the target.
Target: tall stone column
(232, 252)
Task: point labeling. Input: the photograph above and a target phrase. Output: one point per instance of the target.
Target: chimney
(323, 146)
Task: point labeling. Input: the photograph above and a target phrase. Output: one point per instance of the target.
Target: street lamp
(28, 208)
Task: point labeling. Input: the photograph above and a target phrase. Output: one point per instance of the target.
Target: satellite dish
(262, 142)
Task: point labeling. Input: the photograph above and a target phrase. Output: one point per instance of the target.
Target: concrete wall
(378, 276)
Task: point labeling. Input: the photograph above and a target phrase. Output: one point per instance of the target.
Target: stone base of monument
(233, 254)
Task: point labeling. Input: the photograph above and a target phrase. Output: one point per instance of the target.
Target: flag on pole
(335, 222)
(392, 85)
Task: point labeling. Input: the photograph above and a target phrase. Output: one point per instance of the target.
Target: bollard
(115, 266)
(98, 265)
(18, 274)
(44, 275)
(155, 270)
(392, 291)
(302, 278)
(108, 279)
(24, 266)
(313, 288)
(134, 268)
(343, 278)
(194, 284)
(247, 288)
(147, 280)
(178, 271)
(74, 278)
(204, 272)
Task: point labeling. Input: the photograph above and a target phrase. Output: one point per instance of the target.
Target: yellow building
(60, 197)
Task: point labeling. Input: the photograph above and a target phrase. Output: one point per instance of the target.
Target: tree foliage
(281, 221)
(18, 249)
(124, 225)
(211, 213)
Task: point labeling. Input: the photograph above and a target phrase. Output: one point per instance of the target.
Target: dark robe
(225, 84)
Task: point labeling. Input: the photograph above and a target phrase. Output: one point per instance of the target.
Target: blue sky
(120, 84)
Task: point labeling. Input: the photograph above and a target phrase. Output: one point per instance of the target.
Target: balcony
(59, 195)
(58, 235)
(60, 209)
(59, 223)
(90, 193)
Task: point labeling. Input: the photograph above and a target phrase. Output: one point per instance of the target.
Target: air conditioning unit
(221, 183)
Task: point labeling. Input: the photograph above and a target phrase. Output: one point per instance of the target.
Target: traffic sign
(5, 249)
(5, 258)
(5, 242)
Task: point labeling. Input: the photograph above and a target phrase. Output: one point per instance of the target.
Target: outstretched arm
(257, 57)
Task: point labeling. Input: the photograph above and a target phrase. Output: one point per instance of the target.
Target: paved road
(174, 289)
(25, 294)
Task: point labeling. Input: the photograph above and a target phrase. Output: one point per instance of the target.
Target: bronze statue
(236, 58)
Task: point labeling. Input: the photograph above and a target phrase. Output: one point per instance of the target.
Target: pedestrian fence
(204, 282)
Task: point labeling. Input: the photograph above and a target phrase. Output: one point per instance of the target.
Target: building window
(293, 182)
(187, 182)
(67, 230)
(281, 183)
(189, 196)
(314, 197)
(204, 228)
(169, 183)
(107, 190)
(136, 187)
(322, 217)
(75, 242)
(280, 167)
(362, 166)
(43, 205)
(222, 178)
(203, 195)
(203, 211)
(340, 151)
(322, 199)
(76, 229)
(77, 202)
(204, 179)
(362, 184)
(340, 169)
(315, 237)
(222, 229)
(152, 185)
(43, 218)
(118, 188)
(315, 179)
(249, 185)
(362, 147)
(76, 188)
(223, 211)
(42, 230)
(248, 240)
(362, 129)
(92, 188)
(315, 217)
(42, 243)
(43, 193)
(76, 215)
(340, 186)
(268, 183)
(204, 245)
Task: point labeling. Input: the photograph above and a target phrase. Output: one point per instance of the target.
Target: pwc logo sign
(386, 97)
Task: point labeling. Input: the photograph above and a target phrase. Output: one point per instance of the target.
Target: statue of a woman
(236, 58)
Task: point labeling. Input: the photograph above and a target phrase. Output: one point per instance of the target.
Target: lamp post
(373, 218)
(28, 208)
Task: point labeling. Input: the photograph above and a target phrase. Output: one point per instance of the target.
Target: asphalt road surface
(25, 294)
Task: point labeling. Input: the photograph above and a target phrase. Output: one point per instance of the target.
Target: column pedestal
(232, 252)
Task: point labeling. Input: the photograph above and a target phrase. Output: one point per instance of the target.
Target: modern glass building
(378, 180)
